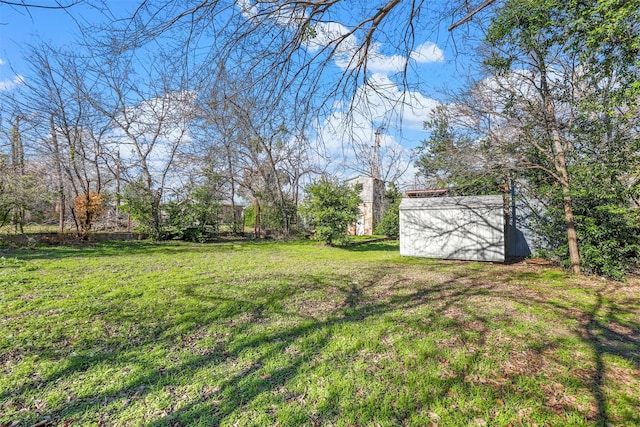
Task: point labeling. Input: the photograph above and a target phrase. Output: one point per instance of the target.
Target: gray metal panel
(468, 228)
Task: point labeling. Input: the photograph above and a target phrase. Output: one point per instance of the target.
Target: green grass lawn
(266, 333)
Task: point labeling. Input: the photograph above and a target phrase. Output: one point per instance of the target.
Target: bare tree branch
(471, 14)
(58, 4)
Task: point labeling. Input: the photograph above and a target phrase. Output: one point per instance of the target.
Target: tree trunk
(560, 164)
(256, 219)
(58, 160)
(561, 167)
(17, 160)
(236, 226)
(118, 190)
(574, 253)
(155, 213)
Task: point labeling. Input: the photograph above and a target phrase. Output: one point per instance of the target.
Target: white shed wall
(466, 228)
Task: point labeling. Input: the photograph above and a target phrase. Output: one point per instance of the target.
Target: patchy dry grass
(299, 334)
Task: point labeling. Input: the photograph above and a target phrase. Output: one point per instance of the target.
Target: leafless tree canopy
(229, 85)
(311, 52)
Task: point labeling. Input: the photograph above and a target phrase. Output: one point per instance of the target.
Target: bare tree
(379, 156)
(266, 158)
(64, 126)
(256, 160)
(148, 112)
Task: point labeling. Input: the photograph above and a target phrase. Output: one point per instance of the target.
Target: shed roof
(433, 192)
(458, 202)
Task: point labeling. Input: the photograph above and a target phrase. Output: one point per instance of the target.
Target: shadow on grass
(138, 247)
(605, 340)
(357, 309)
(379, 245)
(309, 326)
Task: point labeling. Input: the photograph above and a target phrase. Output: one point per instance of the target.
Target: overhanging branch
(470, 15)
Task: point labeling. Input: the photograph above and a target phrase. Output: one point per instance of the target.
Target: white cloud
(427, 52)
(380, 102)
(282, 14)
(377, 62)
(247, 9)
(349, 144)
(380, 63)
(383, 100)
(338, 39)
(348, 56)
(2, 62)
(327, 33)
(160, 127)
(10, 84)
(165, 118)
(349, 132)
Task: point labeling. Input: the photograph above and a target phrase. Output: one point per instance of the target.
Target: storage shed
(465, 228)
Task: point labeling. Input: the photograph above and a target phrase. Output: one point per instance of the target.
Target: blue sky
(20, 27)
(438, 64)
